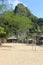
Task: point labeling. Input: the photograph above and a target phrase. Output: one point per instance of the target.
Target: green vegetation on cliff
(19, 21)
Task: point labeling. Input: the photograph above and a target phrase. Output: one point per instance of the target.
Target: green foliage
(15, 24)
(40, 21)
(20, 20)
(5, 7)
(40, 24)
(2, 32)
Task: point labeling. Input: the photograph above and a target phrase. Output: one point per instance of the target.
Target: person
(0, 43)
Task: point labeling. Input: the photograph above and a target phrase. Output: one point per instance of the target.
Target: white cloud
(14, 2)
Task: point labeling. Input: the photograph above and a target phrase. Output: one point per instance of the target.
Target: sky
(35, 6)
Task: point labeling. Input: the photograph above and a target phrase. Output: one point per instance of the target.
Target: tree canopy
(20, 20)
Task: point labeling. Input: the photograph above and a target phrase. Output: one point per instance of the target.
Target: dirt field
(21, 54)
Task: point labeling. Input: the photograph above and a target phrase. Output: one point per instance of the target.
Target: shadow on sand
(6, 46)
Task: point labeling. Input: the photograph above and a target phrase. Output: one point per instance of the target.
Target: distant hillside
(21, 10)
(20, 20)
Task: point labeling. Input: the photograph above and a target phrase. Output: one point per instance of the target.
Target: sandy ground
(21, 54)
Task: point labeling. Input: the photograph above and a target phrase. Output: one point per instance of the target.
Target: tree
(40, 24)
(34, 19)
(15, 24)
(5, 7)
(2, 33)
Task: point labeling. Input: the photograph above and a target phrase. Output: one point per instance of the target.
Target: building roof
(12, 37)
